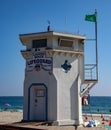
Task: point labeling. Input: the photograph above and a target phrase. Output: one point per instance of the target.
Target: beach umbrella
(7, 105)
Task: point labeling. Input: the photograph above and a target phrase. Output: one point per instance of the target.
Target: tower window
(39, 43)
(65, 43)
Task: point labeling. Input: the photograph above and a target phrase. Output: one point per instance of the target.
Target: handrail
(90, 71)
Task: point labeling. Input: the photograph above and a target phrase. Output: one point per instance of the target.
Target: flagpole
(96, 40)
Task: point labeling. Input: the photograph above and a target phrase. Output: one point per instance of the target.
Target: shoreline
(83, 114)
(97, 115)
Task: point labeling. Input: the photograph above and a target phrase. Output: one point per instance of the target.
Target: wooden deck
(22, 126)
(42, 126)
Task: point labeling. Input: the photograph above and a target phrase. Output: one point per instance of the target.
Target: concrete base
(64, 122)
(68, 122)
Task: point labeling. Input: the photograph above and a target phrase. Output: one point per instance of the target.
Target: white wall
(67, 89)
(51, 84)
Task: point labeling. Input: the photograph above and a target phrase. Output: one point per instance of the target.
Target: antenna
(78, 31)
(48, 28)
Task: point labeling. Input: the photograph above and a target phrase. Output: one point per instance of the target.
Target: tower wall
(68, 101)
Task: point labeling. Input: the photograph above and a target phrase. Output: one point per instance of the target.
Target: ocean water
(98, 104)
(14, 103)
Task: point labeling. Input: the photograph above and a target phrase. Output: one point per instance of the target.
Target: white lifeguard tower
(54, 74)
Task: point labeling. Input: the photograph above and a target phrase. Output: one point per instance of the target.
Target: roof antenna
(78, 31)
(48, 27)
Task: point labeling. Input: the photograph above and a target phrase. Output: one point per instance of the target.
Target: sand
(8, 117)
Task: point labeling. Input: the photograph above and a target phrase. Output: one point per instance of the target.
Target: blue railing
(91, 72)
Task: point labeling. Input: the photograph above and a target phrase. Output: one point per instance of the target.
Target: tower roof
(31, 36)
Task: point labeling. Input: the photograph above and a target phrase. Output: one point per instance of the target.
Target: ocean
(14, 103)
(98, 104)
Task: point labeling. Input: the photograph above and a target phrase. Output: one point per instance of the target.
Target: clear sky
(28, 16)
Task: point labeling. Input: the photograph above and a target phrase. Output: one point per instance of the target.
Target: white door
(40, 104)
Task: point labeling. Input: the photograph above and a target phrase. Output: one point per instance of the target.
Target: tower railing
(91, 72)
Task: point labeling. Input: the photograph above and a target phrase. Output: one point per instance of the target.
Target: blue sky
(28, 16)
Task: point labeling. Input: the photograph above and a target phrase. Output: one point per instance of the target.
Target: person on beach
(86, 100)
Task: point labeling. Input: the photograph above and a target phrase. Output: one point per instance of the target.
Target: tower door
(40, 103)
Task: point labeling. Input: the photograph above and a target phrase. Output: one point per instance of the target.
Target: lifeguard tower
(54, 74)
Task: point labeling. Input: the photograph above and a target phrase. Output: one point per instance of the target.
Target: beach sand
(8, 117)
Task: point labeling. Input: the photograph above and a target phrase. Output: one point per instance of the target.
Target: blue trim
(46, 102)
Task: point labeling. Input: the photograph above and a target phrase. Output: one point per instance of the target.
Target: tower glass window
(39, 43)
(66, 43)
